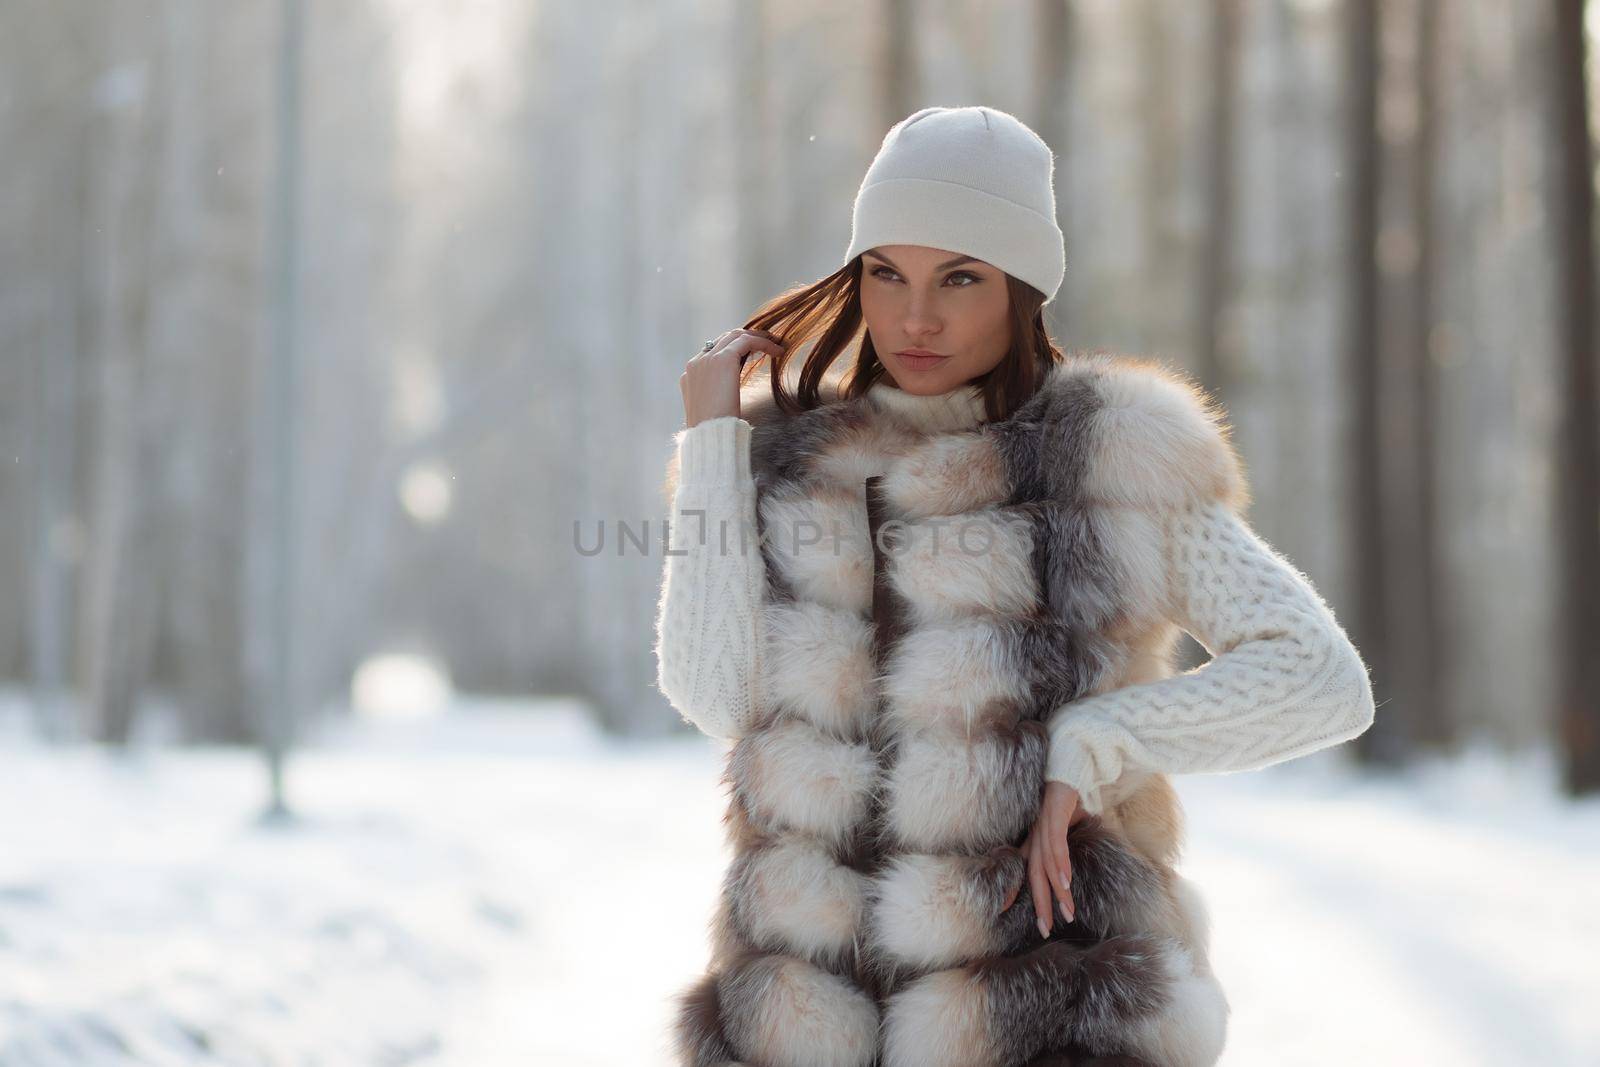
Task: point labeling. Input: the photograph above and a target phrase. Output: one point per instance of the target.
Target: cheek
(985, 317)
(997, 316)
(988, 335)
(874, 303)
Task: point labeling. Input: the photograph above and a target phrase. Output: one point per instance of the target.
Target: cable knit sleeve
(1284, 679)
(713, 582)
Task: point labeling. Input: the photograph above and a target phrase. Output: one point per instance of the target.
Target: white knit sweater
(1283, 680)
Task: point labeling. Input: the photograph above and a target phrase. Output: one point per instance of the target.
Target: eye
(885, 273)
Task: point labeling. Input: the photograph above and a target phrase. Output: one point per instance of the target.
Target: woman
(932, 601)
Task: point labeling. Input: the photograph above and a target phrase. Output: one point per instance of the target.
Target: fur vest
(935, 593)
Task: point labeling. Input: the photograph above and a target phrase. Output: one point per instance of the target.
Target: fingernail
(1044, 931)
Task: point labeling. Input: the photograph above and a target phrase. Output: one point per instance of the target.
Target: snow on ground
(500, 885)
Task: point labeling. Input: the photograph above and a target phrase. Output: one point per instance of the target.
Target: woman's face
(916, 297)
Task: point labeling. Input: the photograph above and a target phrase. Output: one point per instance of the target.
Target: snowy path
(504, 888)
(1373, 923)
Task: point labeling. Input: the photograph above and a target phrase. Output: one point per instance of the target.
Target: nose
(921, 321)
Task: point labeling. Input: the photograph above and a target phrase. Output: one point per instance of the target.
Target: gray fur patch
(1064, 993)
(698, 1039)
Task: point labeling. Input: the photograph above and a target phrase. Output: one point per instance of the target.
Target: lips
(920, 360)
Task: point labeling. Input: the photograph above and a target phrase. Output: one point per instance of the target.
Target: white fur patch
(1194, 919)
(807, 1017)
(932, 911)
(819, 541)
(939, 1020)
(819, 662)
(954, 565)
(940, 676)
(1191, 1030)
(1158, 440)
(948, 474)
(801, 779)
(862, 452)
(1133, 543)
(849, 463)
(797, 898)
(948, 793)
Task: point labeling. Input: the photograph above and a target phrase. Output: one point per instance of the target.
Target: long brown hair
(828, 312)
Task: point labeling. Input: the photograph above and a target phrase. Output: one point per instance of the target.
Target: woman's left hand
(1049, 863)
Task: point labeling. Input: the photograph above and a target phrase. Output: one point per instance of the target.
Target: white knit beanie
(974, 180)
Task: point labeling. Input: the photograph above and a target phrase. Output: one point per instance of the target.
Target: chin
(927, 384)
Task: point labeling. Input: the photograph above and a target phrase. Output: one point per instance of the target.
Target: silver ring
(708, 346)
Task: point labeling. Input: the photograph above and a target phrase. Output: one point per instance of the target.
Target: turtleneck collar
(959, 409)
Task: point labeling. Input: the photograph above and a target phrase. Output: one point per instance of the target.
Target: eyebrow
(943, 266)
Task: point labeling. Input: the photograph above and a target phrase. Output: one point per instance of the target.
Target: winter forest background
(329, 328)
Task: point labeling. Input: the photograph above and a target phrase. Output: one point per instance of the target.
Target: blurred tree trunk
(1435, 718)
(1052, 109)
(1409, 477)
(1303, 358)
(1578, 450)
(56, 413)
(120, 588)
(897, 66)
(1368, 564)
(753, 181)
(283, 694)
(1169, 279)
(202, 396)
(611, 379)
(1215, 337)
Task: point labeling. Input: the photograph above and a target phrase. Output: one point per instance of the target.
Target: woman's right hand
(710, 381)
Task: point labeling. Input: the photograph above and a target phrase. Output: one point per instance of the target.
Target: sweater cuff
(1071, 762)
(715, 452)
